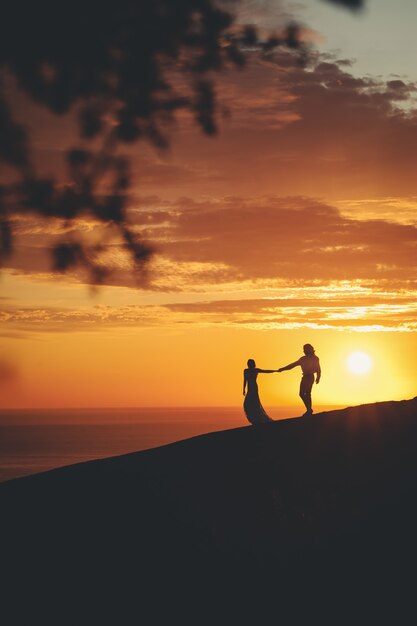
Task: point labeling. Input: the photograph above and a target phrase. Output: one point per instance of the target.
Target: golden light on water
(359, 363)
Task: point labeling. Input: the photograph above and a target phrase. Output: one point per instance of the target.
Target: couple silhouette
(310, 365)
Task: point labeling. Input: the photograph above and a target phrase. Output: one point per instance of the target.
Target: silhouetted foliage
(117, 66)
(352, 4)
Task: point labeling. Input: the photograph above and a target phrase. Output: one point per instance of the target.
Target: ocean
(33, 441)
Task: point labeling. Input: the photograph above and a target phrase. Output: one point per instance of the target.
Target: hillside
(308, 517)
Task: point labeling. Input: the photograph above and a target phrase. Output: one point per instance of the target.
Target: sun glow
(359, 363)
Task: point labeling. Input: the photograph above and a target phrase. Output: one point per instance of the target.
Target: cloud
(339, 306)
(402, 210)
(256, 98)
(244, 243)
(342, 314)
(319, 131)
(223, 214)
(286, 238)
(316, 131)
(56, 320)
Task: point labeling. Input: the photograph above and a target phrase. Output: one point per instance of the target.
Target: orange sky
(296, 223)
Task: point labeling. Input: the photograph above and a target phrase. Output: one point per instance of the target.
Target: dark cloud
(345, 133)
(288, 238)
(345, 122)
(238, 239)
(319, 130)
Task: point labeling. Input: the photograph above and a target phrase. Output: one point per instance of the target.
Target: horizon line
(154, 407)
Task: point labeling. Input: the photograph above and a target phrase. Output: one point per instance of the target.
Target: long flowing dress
(254, 410)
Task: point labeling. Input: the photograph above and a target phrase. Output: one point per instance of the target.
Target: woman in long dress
(254, 410)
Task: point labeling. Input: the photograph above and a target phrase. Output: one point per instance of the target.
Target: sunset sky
(296, 223)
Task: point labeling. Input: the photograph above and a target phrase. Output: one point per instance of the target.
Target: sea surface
(33, 441)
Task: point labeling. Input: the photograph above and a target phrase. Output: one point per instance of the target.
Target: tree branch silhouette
(116, 66)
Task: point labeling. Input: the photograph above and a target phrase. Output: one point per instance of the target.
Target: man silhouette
(310, 365)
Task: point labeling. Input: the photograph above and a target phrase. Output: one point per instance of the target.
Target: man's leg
(305, 391)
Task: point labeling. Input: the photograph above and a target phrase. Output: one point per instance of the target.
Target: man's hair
(308, 348)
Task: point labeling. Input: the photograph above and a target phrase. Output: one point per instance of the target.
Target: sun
(359, 363)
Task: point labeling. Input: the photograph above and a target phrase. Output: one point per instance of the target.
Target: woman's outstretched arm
(289, 367)
(265, 371)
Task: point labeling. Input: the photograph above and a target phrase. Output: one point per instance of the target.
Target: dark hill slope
(313, 516)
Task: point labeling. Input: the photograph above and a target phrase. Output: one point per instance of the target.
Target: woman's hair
(308, 348)
(251, 363)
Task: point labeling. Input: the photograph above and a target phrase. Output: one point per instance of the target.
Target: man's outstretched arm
(289, 367)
